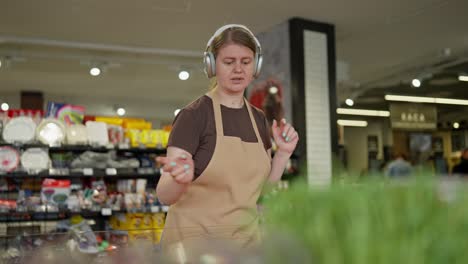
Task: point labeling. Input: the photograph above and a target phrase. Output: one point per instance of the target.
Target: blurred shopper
(399, 167)
(462, 167)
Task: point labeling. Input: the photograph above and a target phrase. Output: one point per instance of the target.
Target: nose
(238, 67)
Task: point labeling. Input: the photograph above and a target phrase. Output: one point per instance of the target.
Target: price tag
(124, 146)
(106, 211)
(88, 171)
(155, 209)
(111, 171)
(165, 208)
(145, 171)
(60, 171)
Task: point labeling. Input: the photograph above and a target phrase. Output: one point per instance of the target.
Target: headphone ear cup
(210, 64)
(258, 64)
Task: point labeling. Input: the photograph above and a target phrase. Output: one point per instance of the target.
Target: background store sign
(413, 116)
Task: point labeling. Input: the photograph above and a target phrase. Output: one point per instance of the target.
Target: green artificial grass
(376, 220)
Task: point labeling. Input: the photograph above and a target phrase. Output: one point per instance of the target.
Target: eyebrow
(233, 58)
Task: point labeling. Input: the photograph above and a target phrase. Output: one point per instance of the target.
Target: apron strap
(219, 120)
(217, 113)
(252, 120)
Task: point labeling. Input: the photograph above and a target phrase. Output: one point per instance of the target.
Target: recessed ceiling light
(95, 71)
(184, 75)
(121, 111)
(349, 102)
(456, 125)
(416, 83)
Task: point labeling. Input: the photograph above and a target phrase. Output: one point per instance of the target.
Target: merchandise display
(76, 176)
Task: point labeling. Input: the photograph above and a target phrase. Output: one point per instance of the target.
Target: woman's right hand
(181, 168)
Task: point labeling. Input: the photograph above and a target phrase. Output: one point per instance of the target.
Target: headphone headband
(220, 30)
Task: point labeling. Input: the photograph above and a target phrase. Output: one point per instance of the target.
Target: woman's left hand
(285, 136)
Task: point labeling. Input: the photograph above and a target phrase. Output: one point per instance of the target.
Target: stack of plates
(51, 132)
(9, 159)
(19, 130)
(77, 135)
(35, 159)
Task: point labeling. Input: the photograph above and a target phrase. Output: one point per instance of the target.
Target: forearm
(168, 190)
(278, 165)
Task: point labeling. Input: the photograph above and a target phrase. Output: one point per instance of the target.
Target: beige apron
(222, 202)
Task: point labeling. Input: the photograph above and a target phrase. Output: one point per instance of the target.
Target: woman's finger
(285, 132)
(170, 166)
(290, 133)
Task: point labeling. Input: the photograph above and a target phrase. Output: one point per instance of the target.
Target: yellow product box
(140, 125)
(141, 235)
(157, 236)
(110, 120)
(119, 222)
(134, 136)
(144, 137)
(158, 220)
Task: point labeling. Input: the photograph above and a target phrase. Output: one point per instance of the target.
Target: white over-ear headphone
(210, 61)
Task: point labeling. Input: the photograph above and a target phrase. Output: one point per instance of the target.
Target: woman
(219, 151)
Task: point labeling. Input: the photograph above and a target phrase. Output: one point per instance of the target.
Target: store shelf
(7, 217)
(83, 148)
(87, 172)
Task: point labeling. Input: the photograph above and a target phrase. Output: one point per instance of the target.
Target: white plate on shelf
(77, 135)
(51, 132)
(35, 159)
(97, 133)
(9, 159)
(19, 130)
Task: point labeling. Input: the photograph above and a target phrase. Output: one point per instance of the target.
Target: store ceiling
(384, 43)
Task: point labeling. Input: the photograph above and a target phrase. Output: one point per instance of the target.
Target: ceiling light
(420, 99)
(273, 90)
(176, 112)
(356, 123)
(349, 102)
(184, 75)
(362, 112)
(5, 107)
(121, 111)
(463, 78)
(456, 125)
(95, 71)
(416, 83)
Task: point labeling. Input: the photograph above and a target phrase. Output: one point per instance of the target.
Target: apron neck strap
(219, 119)
(217, 112)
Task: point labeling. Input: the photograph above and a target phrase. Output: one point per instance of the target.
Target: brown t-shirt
(194, 129)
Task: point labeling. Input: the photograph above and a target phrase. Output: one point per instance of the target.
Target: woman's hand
(181, 168)
(285, 137)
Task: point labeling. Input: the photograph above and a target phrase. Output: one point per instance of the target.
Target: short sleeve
(186, 131)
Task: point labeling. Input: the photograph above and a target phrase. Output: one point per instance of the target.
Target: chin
(237, 88)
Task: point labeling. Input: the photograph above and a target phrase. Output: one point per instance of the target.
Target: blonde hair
(234, 35)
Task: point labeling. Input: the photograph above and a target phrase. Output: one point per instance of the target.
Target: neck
(232, 100)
